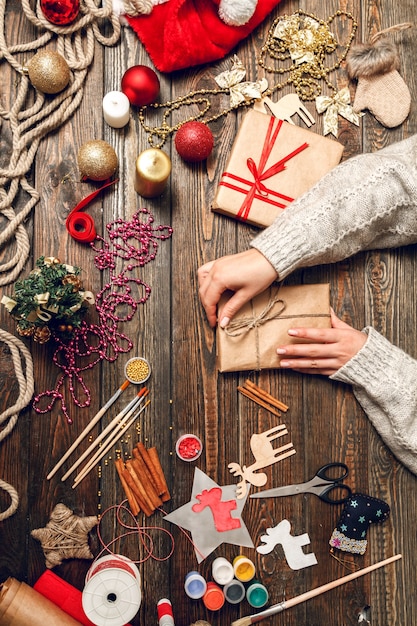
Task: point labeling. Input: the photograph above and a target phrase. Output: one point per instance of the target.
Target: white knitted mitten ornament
(380, 88)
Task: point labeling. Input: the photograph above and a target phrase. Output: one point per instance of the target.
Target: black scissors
(326, 484)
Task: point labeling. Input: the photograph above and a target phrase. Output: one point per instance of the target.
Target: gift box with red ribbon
(271, 164)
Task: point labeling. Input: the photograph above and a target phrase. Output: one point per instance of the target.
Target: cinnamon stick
(143, 475)
(265, 395)
(139, 488)
(153, 472)
(154, 457)
(248, 394)
(134, 506)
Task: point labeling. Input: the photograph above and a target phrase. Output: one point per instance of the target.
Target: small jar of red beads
(189, 447)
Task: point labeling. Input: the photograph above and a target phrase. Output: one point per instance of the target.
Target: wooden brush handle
(287, 604)
(340, 581)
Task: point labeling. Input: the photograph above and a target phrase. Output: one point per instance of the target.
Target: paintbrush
(287, 604)
(129, 407)
(89, 427)
(109, 443)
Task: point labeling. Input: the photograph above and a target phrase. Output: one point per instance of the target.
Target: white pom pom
(237, 12)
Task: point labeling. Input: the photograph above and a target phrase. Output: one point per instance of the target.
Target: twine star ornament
(65, 536)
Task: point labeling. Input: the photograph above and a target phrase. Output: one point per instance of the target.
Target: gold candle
(153, 167)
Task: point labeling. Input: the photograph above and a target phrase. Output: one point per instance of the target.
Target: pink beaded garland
(135, 242)
(60, 12)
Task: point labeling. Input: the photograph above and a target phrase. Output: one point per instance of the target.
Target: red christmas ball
(141, 85)
(194, 141)
(60, 12)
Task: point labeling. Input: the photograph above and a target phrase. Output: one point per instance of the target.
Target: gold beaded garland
(307, 60)
(48, 71)
(97, 160)
(304, 77)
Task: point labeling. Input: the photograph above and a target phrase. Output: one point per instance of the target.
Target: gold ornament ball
(97, 160)
(48, 71)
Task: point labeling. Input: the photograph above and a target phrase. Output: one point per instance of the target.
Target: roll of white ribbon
(112, 594)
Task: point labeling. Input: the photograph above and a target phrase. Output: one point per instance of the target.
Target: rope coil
(29, 123)
(23, 367)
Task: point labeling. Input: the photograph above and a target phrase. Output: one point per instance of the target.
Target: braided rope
(28, 126)
(20, 355)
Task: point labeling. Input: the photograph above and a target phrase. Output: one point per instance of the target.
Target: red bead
(194, 141)
(60, 12)
(141, 85)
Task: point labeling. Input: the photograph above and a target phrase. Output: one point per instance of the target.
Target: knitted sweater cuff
(383, 380)
(360, 370)
(378, 368)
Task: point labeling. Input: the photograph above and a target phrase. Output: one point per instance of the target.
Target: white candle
(116, 109)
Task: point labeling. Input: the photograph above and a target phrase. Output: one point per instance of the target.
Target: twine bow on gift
(332, 106)
(242, 325)
(240, 91)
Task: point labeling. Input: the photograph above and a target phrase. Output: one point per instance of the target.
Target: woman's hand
(327, 350)
(246, 274)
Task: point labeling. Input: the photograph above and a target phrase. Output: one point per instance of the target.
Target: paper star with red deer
(213, 516)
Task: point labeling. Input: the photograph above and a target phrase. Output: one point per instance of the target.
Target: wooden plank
(187, 393)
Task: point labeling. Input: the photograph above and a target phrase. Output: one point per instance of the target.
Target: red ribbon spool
(80, 225)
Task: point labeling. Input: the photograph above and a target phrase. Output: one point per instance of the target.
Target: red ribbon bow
(258, 173)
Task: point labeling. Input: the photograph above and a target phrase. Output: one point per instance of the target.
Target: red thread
(142, 532)
(257, 189)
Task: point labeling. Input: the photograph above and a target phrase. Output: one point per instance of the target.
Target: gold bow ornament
(332, 106)
(240, 91)
(304, 37)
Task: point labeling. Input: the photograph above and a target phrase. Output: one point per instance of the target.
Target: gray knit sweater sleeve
(365, 203)
(384, 381)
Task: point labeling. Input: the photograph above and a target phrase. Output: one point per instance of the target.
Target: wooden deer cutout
(285, 108)
(265, 455)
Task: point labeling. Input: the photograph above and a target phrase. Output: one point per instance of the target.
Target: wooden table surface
(187, 393)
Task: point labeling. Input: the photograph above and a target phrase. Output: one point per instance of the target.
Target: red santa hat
(183, 33)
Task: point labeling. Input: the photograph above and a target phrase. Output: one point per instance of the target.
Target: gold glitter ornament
(97, 160)
(48, 72)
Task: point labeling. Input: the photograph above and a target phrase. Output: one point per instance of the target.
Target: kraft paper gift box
(271, 163)
(250, 341)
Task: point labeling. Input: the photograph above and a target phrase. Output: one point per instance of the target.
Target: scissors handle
(327, 472)
(336, 493)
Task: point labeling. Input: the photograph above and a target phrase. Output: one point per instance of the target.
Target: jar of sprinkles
(137, 370)
(189, 447)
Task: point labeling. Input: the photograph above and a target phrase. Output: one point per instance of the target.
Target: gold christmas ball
(97, 160)
(48, 71)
